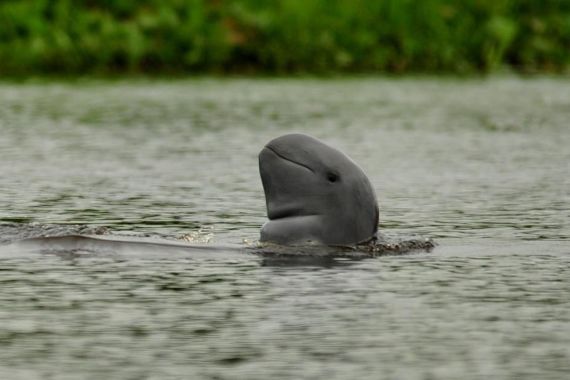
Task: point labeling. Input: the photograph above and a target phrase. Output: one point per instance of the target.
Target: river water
(481, 166)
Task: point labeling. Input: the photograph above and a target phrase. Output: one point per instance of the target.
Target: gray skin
(315, 194)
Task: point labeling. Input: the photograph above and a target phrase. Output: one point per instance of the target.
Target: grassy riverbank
(282, 37)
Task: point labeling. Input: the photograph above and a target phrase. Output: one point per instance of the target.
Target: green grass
(282, 36)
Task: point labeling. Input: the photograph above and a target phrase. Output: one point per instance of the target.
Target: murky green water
(482, 166)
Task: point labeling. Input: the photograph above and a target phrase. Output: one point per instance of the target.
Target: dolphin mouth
(280, 155)
(285, 213)
(291, 210)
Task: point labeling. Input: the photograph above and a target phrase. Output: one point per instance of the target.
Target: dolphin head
(315, 194)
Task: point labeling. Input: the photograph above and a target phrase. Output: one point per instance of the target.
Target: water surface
(482, 166)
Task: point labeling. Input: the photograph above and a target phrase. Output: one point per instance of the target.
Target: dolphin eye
(332, 177)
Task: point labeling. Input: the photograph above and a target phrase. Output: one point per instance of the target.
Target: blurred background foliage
(282, 36)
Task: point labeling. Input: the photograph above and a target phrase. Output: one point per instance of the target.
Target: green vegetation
(282, 36)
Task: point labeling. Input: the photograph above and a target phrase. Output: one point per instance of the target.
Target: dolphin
(315, 194)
